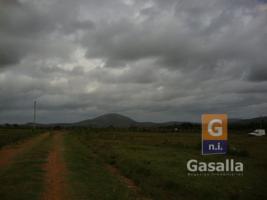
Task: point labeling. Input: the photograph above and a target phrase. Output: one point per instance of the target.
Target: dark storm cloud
(258, 74)
(8, 55)
(20, 25)
(26, 28)
(194, 33)
(153, 60)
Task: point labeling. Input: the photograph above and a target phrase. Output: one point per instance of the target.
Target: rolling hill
(117, 120)
(108, 120)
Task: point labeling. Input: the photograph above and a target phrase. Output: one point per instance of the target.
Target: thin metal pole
(34, 114)
(261, 122)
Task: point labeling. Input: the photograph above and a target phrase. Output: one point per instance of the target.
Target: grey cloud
(78, 25)
(22, 20)
(153, 60)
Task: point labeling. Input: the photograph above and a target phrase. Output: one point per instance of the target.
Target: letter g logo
(215, 127)
(214, 134)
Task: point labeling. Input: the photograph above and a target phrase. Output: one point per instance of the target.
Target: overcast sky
(152, 60)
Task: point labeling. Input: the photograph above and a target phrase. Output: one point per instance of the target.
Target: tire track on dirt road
(55, 178)
(10, 152)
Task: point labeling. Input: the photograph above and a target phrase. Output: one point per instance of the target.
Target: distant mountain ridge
(121, 121)
(108, 120)
(258, 120)
(117, 120)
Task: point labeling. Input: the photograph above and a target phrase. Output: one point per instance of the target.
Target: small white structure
(258, 132)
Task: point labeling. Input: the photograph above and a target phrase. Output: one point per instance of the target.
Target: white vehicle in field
(258, 132)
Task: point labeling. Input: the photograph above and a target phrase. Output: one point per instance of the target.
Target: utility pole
(34, 114)
(261, 122)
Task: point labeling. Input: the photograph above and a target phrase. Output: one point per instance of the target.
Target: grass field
(84, 164)
(9, 136)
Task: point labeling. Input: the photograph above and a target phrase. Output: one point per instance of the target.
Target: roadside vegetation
(157, 164)
(23, 180)
(11, 136)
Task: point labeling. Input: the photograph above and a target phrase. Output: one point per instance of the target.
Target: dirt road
(55, 179)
